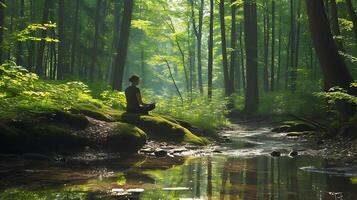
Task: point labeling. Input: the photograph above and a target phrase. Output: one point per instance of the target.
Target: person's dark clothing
(132, 102)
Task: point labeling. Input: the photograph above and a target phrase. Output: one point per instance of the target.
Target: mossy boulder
(162, 129)
(103, 113)
(294, 126)
(38, 136)
(124, 137)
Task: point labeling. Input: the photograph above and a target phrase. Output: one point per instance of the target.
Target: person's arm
(140, 100)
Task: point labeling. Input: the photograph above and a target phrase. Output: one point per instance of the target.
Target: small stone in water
(160, 153)
(293, 153)
(135, 190)
(275, 153)
(320, 142)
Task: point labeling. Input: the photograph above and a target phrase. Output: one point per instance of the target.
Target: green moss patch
(160, 128)
(125, 137)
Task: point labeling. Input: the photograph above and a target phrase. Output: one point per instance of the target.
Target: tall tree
(251, 46)
(233, 47)
(19, 56)
(266, 46)
(2, 16)
(295, 62)
(210, 50)
(75, 36)
(93, 69)
(122, 48)
(332, 65)
(41, 49)
(224, 48)
(353, 16)
(272, 69)
(117, 14)
(198, 34)
(61, 45)
(334, 25)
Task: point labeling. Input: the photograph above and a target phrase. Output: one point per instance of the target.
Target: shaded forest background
(261, 54)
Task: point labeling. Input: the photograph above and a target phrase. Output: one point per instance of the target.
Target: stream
(240, 169)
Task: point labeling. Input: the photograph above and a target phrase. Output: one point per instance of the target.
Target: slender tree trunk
(353, 16)
(117, 12)
(242, 58)
(75, 36)
(251, 45)
(2, 17)
(266, 47)
(292, 43)
(335, 26)
(93, 69)
(297, 50)
(122, 48)
(61, 45)
(210, 50)
(272, 70)
(19, 56)
(233, 47)
(279, 48)
(41, 49)
(332, 65)
(31, 46)
(286, 74)
(224, 49)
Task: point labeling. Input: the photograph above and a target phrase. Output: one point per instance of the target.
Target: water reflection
(260, 177)
(215, 177)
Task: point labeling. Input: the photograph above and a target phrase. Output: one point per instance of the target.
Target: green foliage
(201, 112)
(299, 103)
(21, 90)
(336, 94)
(114, 99)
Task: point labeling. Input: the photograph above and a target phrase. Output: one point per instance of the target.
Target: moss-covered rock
(294, 126)
(38, 136)
(103, 113)
(160, 128)
(124, 137)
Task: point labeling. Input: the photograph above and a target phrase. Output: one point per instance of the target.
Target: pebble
(293, 153)
(160, 153)
(275, 153)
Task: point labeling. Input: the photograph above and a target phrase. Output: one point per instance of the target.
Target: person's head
(134, 80)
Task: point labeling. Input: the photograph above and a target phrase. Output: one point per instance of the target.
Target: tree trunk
(2, 17)
(272, 70)
(297, 50)
(251, 46)
(75, 34)
(279, 48)
(117, 12)
(353, 16)
(233, 47)
(335, 26)
(93, 69)
(266, 47)
(292, 43)
(224, 49)
(19, 56)
(242, 58)
(210, 50)
(122, 48)
(41, 49)
(31, 46)
(61, 45)
(332, 65)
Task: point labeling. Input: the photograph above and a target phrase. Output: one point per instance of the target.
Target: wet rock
(216, 151)
(160, 153)
(36, 157)
(320, 142)
(293, 126)
(227, 140)
(275, 153)
(147, 150)
(298, 134)
(293, 153)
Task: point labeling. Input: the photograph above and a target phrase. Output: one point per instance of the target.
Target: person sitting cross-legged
(134, 101)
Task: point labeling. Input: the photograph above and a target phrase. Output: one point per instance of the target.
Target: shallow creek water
(242, 169)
